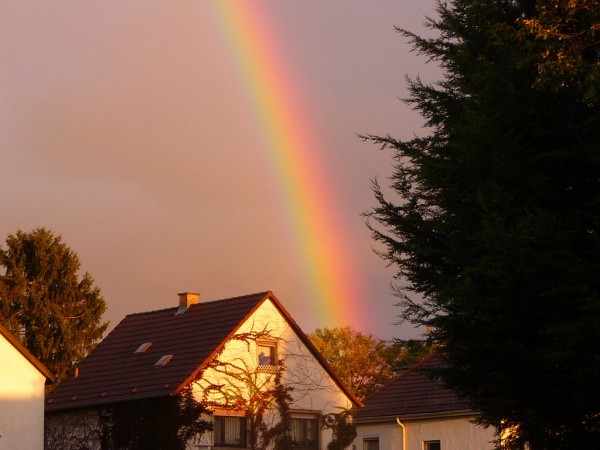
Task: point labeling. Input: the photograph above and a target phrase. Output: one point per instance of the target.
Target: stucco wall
(390, 435)
(457, 433)
(313, 389)
(21, 401)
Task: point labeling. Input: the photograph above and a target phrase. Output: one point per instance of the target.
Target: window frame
(427, 445)
(368, 439)
(273, 355)
(317, 435)
(220, 442)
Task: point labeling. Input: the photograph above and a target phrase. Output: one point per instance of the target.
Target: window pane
(266, 355)
(371, 444)
(229, 430)
(433, 445)
(304, 433)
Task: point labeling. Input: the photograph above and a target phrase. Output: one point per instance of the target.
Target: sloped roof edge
(414, 394)
(306, 341)
(27, 354)
(268, 295)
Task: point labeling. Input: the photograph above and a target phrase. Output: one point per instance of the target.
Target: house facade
(229, 353)
(22, 383)
(417, 412)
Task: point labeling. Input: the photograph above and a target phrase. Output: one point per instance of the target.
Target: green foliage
(404, 352)
(43, 301)
(496, 226)
(564, 37)
(344, 431)
(280, 432)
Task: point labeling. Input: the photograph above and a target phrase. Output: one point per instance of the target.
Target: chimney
(187, 299)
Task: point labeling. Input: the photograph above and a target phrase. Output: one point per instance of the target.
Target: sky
(210, 146)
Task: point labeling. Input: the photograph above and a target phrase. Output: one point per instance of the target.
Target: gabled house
(22, 384)
(418, 412)
(226, 351)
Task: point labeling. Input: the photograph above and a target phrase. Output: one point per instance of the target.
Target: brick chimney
(187, 299)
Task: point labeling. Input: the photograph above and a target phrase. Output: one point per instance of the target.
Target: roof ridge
(262, 294)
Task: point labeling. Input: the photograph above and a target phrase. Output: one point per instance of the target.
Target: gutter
(395, 418)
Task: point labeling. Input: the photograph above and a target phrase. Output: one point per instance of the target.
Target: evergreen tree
(564, 37)
(496, 225)
(43, 301)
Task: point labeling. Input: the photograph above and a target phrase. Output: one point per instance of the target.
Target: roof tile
(414, 392)
(114, 372)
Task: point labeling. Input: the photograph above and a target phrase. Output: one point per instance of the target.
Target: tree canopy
(564, 37)
(493, 218)
(362, 361)
(45, 303)
(355, 357)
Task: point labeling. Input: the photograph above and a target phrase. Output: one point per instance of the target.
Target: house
(22, 383)
(418, 412)
(226, 352)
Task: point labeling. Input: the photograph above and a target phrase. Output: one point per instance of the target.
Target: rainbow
(294, 150)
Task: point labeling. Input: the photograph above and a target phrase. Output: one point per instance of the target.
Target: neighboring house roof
(113, 372)
(27, 354)
(413, 394)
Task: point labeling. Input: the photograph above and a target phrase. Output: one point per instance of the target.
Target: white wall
(390, 435)
(21, 401)
(454, 434)
(313, 389)
(457, 433)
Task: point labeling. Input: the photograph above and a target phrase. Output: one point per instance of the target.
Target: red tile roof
(27, 354)
(113, 372)
(414, 393)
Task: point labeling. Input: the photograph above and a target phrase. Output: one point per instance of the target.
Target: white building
(22, 381)
(228, 351)
(417, 412)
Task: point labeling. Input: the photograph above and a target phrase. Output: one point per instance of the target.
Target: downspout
(403, 433)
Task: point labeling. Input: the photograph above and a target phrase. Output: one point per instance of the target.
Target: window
(432, 445)
(267, 355)
(304, 434)
(142, 348)
(371, 443)
(230, 431)
(163, 361)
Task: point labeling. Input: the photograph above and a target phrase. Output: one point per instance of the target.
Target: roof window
(142, 348)
(163, 361)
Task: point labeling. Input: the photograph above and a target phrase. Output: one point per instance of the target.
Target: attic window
(142, 348)
(267, 355)
(163, 361)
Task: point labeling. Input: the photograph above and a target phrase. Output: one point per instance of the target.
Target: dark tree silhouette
(496, 222)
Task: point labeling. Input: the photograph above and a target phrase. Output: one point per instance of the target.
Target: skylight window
(142, 348)
(163, 361)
